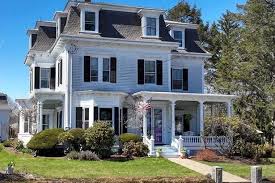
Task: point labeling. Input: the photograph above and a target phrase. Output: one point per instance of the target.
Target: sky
(20, 15)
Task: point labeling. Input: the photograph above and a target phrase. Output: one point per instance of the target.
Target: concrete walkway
(205, 169)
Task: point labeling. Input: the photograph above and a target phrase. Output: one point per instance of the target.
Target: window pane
(177, 74)
(90, 21)
(106, 114)
(150, 66)
(106, 70)
(94, 69)
(106, 76)
(178, 37)
(150, 78)
(45, 78)
(45, 122)
(87, 114)
(151, 26)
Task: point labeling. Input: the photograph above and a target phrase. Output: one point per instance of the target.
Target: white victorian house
(91, 56)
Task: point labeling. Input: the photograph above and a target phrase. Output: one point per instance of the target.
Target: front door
(158, 123)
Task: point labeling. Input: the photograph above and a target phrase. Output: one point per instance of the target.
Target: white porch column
(229, 109)
(21, 122)
(201, 117)
(39, 116)
(173, 115)
(144, 125)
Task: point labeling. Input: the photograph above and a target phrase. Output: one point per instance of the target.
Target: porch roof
(173, 96)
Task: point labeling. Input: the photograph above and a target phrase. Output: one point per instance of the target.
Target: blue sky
(19, 15)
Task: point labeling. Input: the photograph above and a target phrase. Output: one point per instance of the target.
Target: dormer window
(178, 37)
(90, 21)
(151, 26)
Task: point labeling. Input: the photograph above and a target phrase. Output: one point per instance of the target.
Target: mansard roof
(45, 38)
(112, 24)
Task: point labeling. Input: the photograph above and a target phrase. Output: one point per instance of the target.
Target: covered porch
(177, 120)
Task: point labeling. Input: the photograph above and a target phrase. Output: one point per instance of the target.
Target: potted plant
(183, 153)
(158, 153)
(10, 168)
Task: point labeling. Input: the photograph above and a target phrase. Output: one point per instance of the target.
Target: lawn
(61, 168)
(243, 170)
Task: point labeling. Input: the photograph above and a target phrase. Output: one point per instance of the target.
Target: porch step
(168, 151)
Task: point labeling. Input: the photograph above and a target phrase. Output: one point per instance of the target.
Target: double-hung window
(45, 77)
(89, 21)
(151, 27)
(94, 69)
(45, 122)
(106, 70)
(150, 72)
(178, 37)
(86, 118)
(177, 79)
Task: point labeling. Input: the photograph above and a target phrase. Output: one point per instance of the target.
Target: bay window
(150, 72)
(45, 77)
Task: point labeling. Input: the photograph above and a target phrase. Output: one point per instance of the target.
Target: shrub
(136, 149)
(73, 155)
(8, 143)
(207, 155)
(127, 137)
(45, 140)
(88, 155)
(26, 151)
(1, 147)
(78, 138)
(19, 145)
(100, 139)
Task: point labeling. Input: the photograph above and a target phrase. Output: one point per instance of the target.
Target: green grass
(61, 168)
(243, 170)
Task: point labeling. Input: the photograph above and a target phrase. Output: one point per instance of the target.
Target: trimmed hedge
(100, 139)
(128, 137)
(45, 140)
(78, 138)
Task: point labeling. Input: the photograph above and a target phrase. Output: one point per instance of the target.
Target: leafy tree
(183, 12)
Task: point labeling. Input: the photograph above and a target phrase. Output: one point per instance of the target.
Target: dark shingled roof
(192, 40)
(45, 38)
(115, 24)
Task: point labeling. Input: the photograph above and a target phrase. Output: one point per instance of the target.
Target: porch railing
(151, 144)
(198, 142)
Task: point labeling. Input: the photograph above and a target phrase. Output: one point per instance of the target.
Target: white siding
(126, 71)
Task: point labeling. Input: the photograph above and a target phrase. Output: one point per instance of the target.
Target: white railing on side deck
(198, 141)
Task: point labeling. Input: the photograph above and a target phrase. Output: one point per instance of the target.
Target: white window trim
(82, 20)
(144, 26)
(48, 80)
(183, 36)
(146, 60)
(109, 69)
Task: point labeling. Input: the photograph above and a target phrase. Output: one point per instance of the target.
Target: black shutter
(125, 118)
(140, 72)
(95, 114)
(116, 121)
(79, 116)
(52, 80)
(185, 79)
(87, 69)
(113, 70)
(159, 72)
(37, 78)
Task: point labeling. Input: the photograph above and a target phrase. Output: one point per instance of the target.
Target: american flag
(144, 106)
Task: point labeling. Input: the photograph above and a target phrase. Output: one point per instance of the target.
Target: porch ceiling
(173, 96)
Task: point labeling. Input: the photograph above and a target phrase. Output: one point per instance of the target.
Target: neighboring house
(4, 117)
(91, 56)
